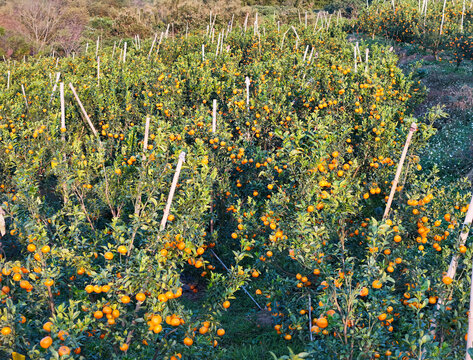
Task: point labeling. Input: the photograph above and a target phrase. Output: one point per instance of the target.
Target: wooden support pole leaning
(214, 115)
(58, 75)
(399, 169)
(182, 158)
(83, 110)
(152, 45)
(24, 95)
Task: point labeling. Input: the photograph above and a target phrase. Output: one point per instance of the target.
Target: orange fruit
(47, 326)
(6, 331)
(447, 280)
(220, 332)
(322, 323)
(108, 255)
(226, 304)
(140, 297)
(188, 341)
(124, 347)
(122, 249)
(64, 350)
(125, 299)
(46, 342)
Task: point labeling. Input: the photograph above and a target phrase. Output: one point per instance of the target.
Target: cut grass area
(249, 333)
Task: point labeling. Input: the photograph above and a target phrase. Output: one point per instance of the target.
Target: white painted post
(203, 52)
(145, 141)
(152, 45)
(214, 116)
(63, 109)
(24, 95)
(58, 75)
(98, 70)
(8, 79)
(97, 47)
(182, 158)
(247, 82)
(124, 52)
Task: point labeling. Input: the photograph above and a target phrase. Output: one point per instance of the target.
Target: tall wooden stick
(247, 82)
(145, 141)
(399, 169)
(152, 45)
(310, 311)
(443, 16)
(124, 52)
(98, 70)
(58, 75)
(2, 223)
(83, 110)
(182, 158)
(214, 116)
(24, 95)
(8, 79)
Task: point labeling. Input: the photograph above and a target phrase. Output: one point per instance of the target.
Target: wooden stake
(399, 169)
(3, 229)
(98, 70)
(203, 52)
(145, 141)
(97, 47)
(86, 48)
(214, 116)
(310, 311)
(152, 45)
(124, 52)
(24, 95)
(58, 75)
(443, 16)
(63, 110)
(8, 79)
(182, 158)
(83, 110)
(247, 82)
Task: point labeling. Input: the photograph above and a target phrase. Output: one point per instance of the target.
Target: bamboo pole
(63, 108)
(152, 45)
(124, 52)
(8, 79)
(97, 47)
(203, 52)
(2, 223)
(214, 116)
(310, 318)
(182, 158)
(463, 15)
(24, 95)
(247, 82)
(83, 110)
(98, 70)
(443, 16)
(399, 169)
(145, 141)
(58, 75)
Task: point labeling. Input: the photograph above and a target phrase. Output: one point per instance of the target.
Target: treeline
(29, 27)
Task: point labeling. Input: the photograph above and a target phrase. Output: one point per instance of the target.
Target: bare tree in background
(40, 19)
(50, 22)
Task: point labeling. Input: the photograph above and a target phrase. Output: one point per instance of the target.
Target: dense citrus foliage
(289, 191)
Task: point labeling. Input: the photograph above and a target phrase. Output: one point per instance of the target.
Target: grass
(249, 333)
